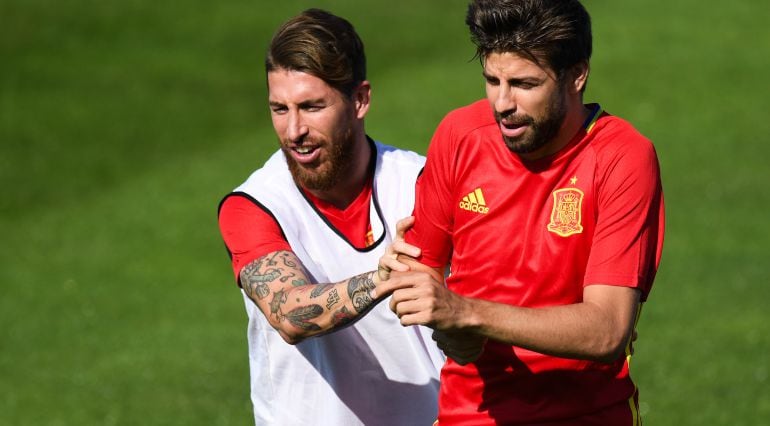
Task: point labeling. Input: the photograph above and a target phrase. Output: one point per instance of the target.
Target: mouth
(305, 154)
(513, 129)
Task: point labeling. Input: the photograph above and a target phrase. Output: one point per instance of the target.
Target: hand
(389, 261)
(462, 347)
(418, 299)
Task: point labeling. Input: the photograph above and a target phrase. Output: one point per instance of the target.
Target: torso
(522, 234)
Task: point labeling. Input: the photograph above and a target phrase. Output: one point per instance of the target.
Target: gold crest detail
(566, 215)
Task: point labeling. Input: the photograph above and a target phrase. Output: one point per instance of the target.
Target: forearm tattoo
(274, 273)
(358, 290)
(319, 289)
(342, 317)
(333, 298)
(300, 317)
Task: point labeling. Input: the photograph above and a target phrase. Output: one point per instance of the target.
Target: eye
(278, 109)
(313, 107)
(492, 81)
(526, 84)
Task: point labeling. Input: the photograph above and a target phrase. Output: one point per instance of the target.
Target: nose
(296, 129)
(505, 101)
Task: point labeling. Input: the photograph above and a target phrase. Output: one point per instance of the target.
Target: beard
(541, 130)
(329, 169)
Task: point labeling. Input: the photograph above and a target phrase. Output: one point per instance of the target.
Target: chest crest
(566, 214)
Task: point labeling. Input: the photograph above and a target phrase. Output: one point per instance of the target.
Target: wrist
(468, 319)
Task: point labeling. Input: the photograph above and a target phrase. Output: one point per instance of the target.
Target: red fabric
(249, 232)
(499, 219)
(353, 221)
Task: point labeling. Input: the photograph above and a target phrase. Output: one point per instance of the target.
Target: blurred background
(122, 124)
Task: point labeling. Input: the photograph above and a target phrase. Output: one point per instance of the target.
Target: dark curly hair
(552, 33)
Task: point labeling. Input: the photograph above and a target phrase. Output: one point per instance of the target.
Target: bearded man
(303, 233)
(551, 212)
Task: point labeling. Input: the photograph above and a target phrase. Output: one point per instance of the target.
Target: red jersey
(250, 232)
(533, 234)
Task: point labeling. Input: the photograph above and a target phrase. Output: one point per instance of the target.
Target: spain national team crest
(566, 214)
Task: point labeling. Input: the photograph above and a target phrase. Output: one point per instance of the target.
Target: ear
(362, 96)
(579, 77)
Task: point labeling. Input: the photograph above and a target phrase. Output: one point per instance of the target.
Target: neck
(345, 191)
(573, 121)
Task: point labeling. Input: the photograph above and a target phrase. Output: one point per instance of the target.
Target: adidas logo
(474, 202)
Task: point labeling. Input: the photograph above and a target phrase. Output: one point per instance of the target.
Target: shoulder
(464, 128)
(612, 133)
(614, 139)
(469, 118)
(271, 179)
(274, 168)
(624, 157)
(265, 193)
(399, 156)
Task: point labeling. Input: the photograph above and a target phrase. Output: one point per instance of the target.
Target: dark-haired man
(552, 212)
(319, 212)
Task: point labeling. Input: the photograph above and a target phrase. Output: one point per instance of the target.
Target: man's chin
(519, 145)
(312, 180)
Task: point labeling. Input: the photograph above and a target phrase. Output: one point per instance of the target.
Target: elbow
(290, 336)
(610, 348)
(609, 356)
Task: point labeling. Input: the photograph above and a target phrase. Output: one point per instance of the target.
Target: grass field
(122, 124)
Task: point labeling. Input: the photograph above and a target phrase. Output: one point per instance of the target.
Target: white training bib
(375, 372)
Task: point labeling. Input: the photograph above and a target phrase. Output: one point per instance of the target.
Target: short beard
(543, 131)
(339, 164)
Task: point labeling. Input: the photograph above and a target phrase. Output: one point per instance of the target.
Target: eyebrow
(514, 79)
(303, 103)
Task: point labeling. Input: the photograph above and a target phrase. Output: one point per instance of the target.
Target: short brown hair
(554, 33)
(320, 44)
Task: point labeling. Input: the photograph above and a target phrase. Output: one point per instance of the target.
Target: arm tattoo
(273, 273)
(358, 290)
(271, 261)
(255, 278)
(332, 299)
(288, 262)
(319, 289)
(342, 317)
(285, 278)
(279, 298)
(255, 282)
(300, 317)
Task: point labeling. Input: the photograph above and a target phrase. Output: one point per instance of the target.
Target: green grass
(123, 123)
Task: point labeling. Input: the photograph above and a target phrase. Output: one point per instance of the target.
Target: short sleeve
(432, 230)
(249, 232)
(628, 239)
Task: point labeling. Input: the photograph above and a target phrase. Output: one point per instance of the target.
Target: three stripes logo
(474, 202)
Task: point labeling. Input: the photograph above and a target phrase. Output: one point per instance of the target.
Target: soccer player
(552, 212)
(320, 211)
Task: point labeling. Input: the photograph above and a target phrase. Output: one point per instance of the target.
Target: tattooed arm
(278, 285)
